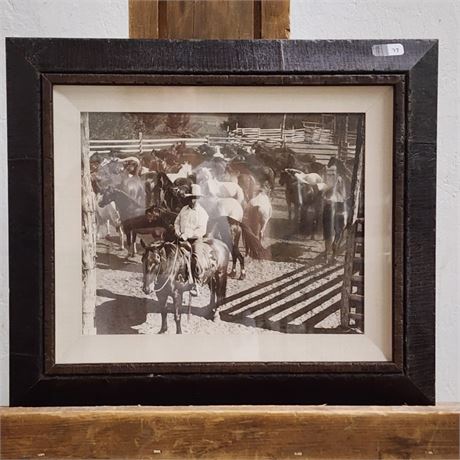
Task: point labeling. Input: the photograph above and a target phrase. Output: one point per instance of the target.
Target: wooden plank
(221, 19)
(231, 432)
(211, 19)
(356, 298)
(143, 18)
(275, 19)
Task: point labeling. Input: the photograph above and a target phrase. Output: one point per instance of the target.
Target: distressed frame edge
(395, 366)
(17, 44)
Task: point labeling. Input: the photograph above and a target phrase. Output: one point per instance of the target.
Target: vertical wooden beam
(143, 19)
(216, 19)
(209, 19)
(88, 237)
(274, 19)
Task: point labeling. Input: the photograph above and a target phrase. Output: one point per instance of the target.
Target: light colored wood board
(275, 22)
(143, 18)
(231, 432)
(207, 19)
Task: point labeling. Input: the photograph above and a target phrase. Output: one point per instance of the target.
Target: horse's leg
(163, 300)
(318, 211)
(288, 202)
(129, 243)
(212, 299)
(327, 229)
(122, 238)
(177, 310)
(241, 260)
(234, 259)
(134, 236)
(296, 213)
(236, 236)
(221, 288)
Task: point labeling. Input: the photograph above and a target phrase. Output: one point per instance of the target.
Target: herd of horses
(142, 195)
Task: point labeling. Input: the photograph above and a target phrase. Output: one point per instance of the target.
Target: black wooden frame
(33, 65)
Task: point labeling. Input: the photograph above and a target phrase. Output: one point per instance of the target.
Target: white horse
(212, 187)
(258, 213)
(184, 171)
(222, 207)
(107, 217)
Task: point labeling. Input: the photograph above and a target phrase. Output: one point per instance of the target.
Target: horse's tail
(253, 246)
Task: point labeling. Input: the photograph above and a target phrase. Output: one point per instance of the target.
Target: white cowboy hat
(219, 155)
(196, 191)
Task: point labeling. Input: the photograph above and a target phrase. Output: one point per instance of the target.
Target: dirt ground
(123, 308)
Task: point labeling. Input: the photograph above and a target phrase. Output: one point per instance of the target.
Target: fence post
(140, 143)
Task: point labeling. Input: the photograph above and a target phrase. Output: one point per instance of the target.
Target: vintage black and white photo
(235, 223)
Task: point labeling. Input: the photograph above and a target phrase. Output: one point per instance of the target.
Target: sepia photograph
(223, 223)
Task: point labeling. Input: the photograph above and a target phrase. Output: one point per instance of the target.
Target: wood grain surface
(231, 432)
(274, 19)
(143, 19)
(210, 19)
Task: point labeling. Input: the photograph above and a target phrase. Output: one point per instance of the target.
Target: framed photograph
(212, 222)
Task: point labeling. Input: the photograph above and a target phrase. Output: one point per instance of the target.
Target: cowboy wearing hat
(190, 225)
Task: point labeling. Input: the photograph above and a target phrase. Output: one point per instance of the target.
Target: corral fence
(312, 138)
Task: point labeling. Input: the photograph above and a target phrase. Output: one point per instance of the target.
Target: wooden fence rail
(242, 136)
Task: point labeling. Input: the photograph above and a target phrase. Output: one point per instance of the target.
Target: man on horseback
(190, 226)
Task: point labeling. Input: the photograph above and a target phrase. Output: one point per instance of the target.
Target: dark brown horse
(291, 193)
(128, 208)
(157, 223)
(165, 273)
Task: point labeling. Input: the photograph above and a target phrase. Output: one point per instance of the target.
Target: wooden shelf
(240, 432)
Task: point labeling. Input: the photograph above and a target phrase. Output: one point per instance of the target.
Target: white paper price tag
(390, 49)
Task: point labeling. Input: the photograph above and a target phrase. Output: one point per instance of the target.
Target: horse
(116, 173)
(258, 213)
(168, 195)
(152, 162)
(108, 216)
(165, 268)
(249, 185)
(127, 208)
(291, 192)
(156, 222)
(311, 209)
(299, 188)
(226, 223)
(225, 220)
(184, 171)
(149, 180)
(212, 187)
(263, 175)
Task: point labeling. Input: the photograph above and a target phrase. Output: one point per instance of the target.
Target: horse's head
(107, 196)
(151, 261)
(287, 176)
